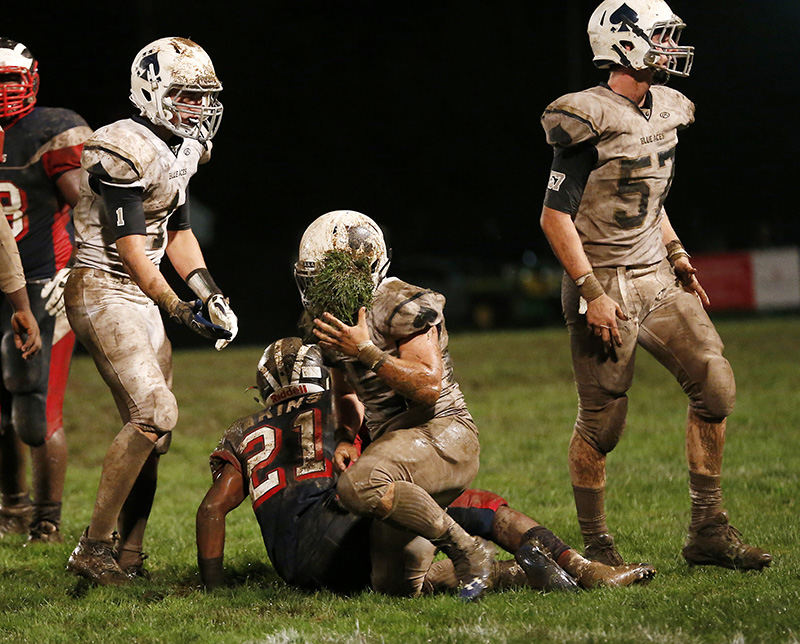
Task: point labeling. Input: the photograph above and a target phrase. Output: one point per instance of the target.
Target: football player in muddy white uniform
(39, 181)
(282, 458)
(628, 279)
(133, 208)
(394, 362)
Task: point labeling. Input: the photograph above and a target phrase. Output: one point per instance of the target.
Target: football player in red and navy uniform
(39, 182)
(282, 457)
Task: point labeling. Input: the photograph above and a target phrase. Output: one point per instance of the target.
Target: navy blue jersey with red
(38, 149)
(284, 455)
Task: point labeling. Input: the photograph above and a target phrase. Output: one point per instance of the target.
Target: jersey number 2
(264, 444)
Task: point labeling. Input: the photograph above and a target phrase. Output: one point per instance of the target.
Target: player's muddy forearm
(412, 380)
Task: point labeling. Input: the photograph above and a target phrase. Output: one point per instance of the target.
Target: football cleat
(471, 561)
(44, 531)
(542, 572)
(136, 569)
(95, 560)
(598, 575)
(15, 519)
(715, 542)
(601, 548)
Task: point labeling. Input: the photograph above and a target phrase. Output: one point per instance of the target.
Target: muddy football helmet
(288, 369)
(174, 77)
(345, 230)
(639, 34)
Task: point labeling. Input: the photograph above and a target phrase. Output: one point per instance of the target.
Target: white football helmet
(174, 85)
(19, 79)
(639, 34)
(345, 230)
(288, 369)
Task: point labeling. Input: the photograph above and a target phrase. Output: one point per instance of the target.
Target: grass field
(519, 388)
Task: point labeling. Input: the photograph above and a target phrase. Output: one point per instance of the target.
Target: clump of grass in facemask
(341, 286)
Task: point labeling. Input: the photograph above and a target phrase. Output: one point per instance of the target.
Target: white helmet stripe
(298, 363)
(268, 377)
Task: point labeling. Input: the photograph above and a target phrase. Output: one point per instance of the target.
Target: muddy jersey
(284, 455)
(39, 148)
(626, 157)
(400, 310)
(128, 154)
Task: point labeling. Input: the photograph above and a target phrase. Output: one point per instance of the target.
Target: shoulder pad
(227, 450)
(673, 101)
(572, 119)
(119, 153)
(401, 309)
(51, 121)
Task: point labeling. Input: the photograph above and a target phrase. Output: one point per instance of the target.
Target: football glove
(53, 292)
(221, 314)
(191, 316)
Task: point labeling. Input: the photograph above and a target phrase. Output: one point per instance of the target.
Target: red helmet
(19, 79)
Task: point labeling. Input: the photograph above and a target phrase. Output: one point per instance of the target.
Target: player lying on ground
(282, 456)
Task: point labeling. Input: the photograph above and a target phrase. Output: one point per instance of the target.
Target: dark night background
(425, 116)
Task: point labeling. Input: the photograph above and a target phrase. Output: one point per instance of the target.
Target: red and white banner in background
(753, 280)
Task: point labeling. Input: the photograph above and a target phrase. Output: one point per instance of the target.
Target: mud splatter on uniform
(612, 170)
(284, 457)
(119, 325)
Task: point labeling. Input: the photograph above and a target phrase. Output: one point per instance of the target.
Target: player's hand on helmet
(601, 316)
(26, 333)
(687, 274)
(345, 454)
(335, 334)
(53, 292)
(221, 314)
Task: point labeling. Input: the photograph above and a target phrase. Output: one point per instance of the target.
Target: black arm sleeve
(568, 176)
(124, 210)
(180, 220)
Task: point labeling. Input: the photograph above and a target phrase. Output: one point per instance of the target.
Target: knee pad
(29, 417)
(718, 392)
(160, 415)
(360, 497)
(602, 426)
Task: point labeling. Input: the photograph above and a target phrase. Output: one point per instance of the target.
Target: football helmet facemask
(19, 79)
(345, 230)
(174, 86)
(639, 34)
(288, 369)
